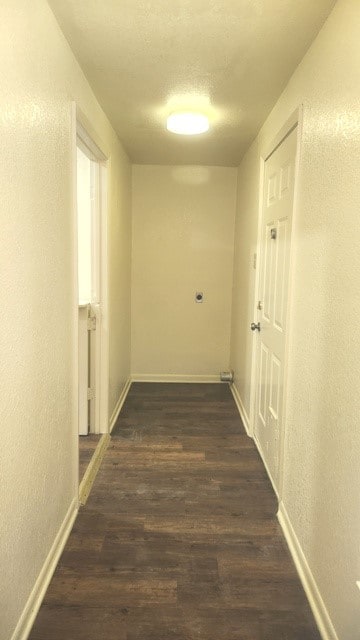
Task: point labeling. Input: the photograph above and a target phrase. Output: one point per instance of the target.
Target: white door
(278, 199)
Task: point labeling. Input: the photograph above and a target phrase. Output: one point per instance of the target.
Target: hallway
(192, 234)
(179, 538)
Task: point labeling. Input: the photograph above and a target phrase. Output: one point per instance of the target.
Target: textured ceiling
(229, 58)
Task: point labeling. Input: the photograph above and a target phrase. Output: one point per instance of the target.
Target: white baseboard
(243, 414)
(173, 377)
(316, 602)
(119, 404)
(93, 467)
(36, 597)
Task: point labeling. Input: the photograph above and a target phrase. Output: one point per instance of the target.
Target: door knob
(255, 326)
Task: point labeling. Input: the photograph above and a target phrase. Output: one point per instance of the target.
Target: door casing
(84, 136)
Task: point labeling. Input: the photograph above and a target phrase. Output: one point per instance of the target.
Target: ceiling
(229, 58)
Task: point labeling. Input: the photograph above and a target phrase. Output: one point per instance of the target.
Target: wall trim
(311, 589)
(93, 467)
(174, 377)
(239, 403)
(119, 404)
(37, 594)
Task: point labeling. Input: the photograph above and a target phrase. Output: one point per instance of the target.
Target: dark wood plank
(179, 538)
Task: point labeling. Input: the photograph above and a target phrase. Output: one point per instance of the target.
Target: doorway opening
(91, 183)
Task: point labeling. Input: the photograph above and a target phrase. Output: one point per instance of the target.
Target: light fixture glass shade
(187, 123)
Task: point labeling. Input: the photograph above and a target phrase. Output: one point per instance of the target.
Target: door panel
(271, 191)
(268, 275)
(263, 391)
(282, 241)
(274, 282)
(275, 377)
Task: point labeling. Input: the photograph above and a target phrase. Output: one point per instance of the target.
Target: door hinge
(254, 260)
(90, 394)
(273, 233)
(91, 323)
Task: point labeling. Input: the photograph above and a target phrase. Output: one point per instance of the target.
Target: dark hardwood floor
(179, 538)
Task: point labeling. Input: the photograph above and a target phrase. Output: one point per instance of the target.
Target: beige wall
(183, 221)
(39, 79)
(322, 447)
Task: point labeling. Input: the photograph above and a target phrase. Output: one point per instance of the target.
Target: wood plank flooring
(179, 538)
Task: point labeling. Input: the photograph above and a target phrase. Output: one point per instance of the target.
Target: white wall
(322, 448)
(38, 455)
(183, 222)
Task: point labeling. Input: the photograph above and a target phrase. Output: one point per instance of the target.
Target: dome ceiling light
(187, 123)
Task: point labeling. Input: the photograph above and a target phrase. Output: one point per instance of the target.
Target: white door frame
(84, 137)
(295, 120)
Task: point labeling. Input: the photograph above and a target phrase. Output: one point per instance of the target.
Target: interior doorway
(91, 177)
(271, 314)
